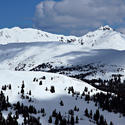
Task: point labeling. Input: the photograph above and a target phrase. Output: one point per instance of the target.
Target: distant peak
(16, 28)
(106, 27)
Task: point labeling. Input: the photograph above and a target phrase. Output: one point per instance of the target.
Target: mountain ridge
(103, 37)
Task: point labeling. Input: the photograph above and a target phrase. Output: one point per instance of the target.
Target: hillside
(42, 97)
(26, 56)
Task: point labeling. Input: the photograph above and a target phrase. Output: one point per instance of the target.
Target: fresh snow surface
(30, 55)
(48, 100)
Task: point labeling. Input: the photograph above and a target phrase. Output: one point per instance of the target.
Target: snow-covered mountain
(28, 48)
(18, 35)
(52, 55)
(103, 37)
(89, 64)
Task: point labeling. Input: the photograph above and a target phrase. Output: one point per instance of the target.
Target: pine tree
(101, 122)
(23, 86)
(56, 121)
(54, 114)
(52, 89)
(75, 108)
(63, 122)
(50, 119)
(7, 99)
(68, 121)
(42, 110)
(9, 86)
(34, 79)
(96, 115)
(9, 119)
(77, 119)
(46, 89)
(111, 123)
(86, 112)
(4, 87)
(16, 115)
(86, 89)
(59, 116)
(22, 91)
(30, 92)
(72, 120)
(87, 97)
(40, 83)
(90, 114)
(71, 112)
(61, 103)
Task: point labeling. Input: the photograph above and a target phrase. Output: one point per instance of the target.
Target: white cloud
(74, 16)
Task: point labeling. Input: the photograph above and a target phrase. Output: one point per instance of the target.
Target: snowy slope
(60, 82)
(48, 100)
(30, 55)
(102, 38)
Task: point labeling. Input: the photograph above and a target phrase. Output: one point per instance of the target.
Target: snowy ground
(58, 54)
(50, 101)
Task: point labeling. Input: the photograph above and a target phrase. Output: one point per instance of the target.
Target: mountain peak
(16, 28)
(106, 27)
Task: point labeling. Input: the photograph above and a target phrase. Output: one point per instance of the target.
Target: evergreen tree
(61, 103)
(111, 123)
(86, 89)
(40, 83)
(22, 90)
(63, 122)
(30, 92)
(72, 120)
(23, 85)
(50, 119)
(87, 97)
(59, 116)
(52, 89)
(101, 121)
(56, 121)
(4, 87)
(90, 114)
(86, 112)
(9, 86)
(54, 114)
(46, 89)
(71, 112)
(96, 115)
(34, 79)
(77, 119)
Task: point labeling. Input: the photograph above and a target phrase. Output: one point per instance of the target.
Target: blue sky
(17, 12)
(75, 17)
